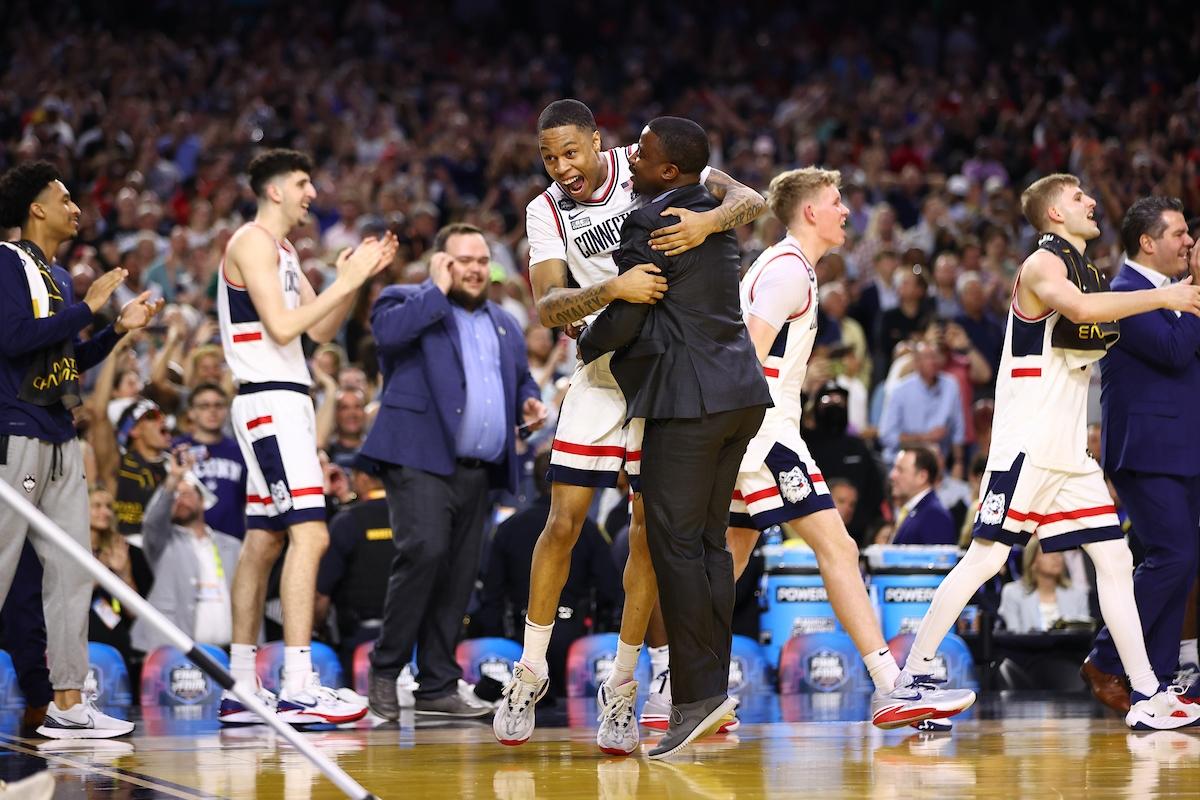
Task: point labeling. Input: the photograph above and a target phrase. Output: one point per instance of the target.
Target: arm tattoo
(564, 306)
(739, 208)
(739, 204)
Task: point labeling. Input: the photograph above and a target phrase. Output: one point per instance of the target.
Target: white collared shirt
(916, 498)
(1154, 276)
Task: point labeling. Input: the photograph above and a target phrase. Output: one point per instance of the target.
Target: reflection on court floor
(1025, 745)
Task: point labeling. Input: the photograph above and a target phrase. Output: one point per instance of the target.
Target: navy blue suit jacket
(425, 387)
(928, 523)
(1150, 382)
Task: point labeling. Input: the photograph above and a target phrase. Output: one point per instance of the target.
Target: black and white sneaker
(82, 721)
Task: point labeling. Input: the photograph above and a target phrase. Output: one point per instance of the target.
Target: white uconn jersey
(583, 234)
(781, 289)
(1041, 401)
(252, 354)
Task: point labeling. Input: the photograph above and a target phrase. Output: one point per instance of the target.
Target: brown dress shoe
(1108, 689)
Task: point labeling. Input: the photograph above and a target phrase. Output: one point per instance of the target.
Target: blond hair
(1041, 194)
(1032, 550)
(788, 190)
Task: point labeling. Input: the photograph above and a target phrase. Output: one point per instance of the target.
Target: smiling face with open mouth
(298, 193)
(470, 271)
(571, 156)
(1078, 210)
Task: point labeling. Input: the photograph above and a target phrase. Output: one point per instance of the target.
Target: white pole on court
(127, 597)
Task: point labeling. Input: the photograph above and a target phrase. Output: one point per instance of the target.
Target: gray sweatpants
(59, 489)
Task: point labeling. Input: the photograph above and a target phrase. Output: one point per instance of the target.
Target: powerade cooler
(905, 578)
(796, 602)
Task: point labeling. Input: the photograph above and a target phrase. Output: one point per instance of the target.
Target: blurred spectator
(352, 580)
(924, 408)
(144, 440)
(506, 579)
(349, 423)
(169, 271)
(218, 462)
(910, 316)
(977, 321)
(843, 455)
(109, 622)
(1042, 596)
(845, 499)
(193, 564)
(877, 296)
(945, 286)
(920, 516)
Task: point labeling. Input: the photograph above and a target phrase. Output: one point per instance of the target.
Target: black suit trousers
(689, 468)
(437, 527)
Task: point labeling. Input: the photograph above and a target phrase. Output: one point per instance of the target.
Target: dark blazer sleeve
(1166, 344)
(401, 315)
(621, 322)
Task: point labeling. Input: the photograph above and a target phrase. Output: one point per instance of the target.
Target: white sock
(883, 669)
(624, 665)
(983, 560)
(297, 668)
(1187, 652)
(1114, 584)
(537, 642)
(660, 659)
(241, 662)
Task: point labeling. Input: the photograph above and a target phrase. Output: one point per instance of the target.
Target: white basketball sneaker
(656, 713)
(513, 723)
(916, 698)
(232, 712)
(1165, 710)
(82, 721)
(316, 704)
(618, 734)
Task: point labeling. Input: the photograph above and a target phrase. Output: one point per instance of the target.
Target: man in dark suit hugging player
(686, 364)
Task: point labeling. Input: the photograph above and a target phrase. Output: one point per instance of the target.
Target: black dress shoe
(381, 695)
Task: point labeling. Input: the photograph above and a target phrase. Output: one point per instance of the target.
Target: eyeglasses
(208, 406)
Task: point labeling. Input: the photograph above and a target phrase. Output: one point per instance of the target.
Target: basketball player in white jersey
(574, 228)
(1040, 479)
(265, 303)
(779, 483)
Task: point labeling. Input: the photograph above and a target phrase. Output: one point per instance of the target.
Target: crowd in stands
(420, 115)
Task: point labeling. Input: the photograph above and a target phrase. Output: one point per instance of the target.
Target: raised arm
(739, 205)
(1045, 287)
(255, 257)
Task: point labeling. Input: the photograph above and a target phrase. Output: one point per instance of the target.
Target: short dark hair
(1145, 216)
(19, 187)
(684, 143)
(566, 112)
(201, 388)
(453, 229)
(273, 163)
(924, 460)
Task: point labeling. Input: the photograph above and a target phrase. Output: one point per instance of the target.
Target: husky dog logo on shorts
(281, 496)
(793, 485)
(991, 510)
(29, 484)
